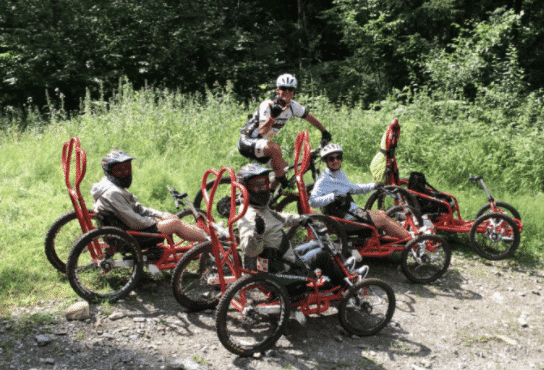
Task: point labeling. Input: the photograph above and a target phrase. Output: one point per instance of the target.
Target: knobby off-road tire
(191, 278)
(505, 207)
(500, 240)
(260, 322)
(115, 276)
(298, 234)
(290, 199)
(61, 236)
(378, 200)
(187, 216)
(367, 307)
(425, 259)
(397, 214)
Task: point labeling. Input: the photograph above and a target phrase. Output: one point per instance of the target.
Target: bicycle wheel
(282, 203)
(425, 258)
(397, 214)
(336, 236)
(195, 281)
(505, 207)
(500, 238)
(379, 200)
(252, 314)
(114, 275)
(221, 206)
(367, 307)
(61, 236)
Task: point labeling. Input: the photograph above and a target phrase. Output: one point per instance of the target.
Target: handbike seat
(110, 219)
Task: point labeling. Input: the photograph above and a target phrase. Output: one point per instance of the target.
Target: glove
(275, 110)
(378, 185)
(305, 220)
(326, 137)
(259, 225)
(341, 198)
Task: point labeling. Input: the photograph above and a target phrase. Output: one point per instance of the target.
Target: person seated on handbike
(114, 204)
(332, 192)
(262, 237)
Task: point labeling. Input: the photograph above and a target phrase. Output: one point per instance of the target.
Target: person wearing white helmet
(256, 136)
(332, 193)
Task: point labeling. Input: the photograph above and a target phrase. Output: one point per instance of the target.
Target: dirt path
(479, 316)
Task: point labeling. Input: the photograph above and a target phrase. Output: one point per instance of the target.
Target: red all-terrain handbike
(253, 306)
(425, 257)
(494, 233)
(108, 260)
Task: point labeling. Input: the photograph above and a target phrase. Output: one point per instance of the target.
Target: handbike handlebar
(481, 181)
(176, 195)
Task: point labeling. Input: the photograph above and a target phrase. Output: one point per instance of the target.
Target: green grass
(176, 137)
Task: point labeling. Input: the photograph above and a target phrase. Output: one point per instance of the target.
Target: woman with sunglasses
(332, 192)
(112, 199)
(255, 140)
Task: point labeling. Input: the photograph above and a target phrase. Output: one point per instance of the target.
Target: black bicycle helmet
(121, 177)
(260, 195)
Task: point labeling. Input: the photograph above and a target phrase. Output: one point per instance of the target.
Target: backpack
(418, 183)
(339, 208)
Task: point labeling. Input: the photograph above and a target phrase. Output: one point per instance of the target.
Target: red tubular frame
(315, 302)
(376, 245)
(447, 221)
(172, 250)
(219, 253)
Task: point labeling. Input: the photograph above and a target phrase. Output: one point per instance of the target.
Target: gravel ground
(480, 315)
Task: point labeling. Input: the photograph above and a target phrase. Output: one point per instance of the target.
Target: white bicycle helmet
(287, 80)
(329, 149)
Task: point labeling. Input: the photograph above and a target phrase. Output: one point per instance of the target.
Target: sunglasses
(286, 88)
(332, 158)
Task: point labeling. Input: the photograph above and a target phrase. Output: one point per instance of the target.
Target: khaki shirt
(253, 244)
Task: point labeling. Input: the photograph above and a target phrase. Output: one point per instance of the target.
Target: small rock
(183, 364)
(43, 340)
(440, 347)
(426, 363)
(507, 340)
(498, 297)
(523, 322)
(78, 311)
(116, 315)
(126, 358)
(138, 319)
(338, 338)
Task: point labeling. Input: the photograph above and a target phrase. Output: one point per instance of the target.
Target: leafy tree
(482, 64)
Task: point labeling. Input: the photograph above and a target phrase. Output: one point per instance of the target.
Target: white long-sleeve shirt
(332, 183)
